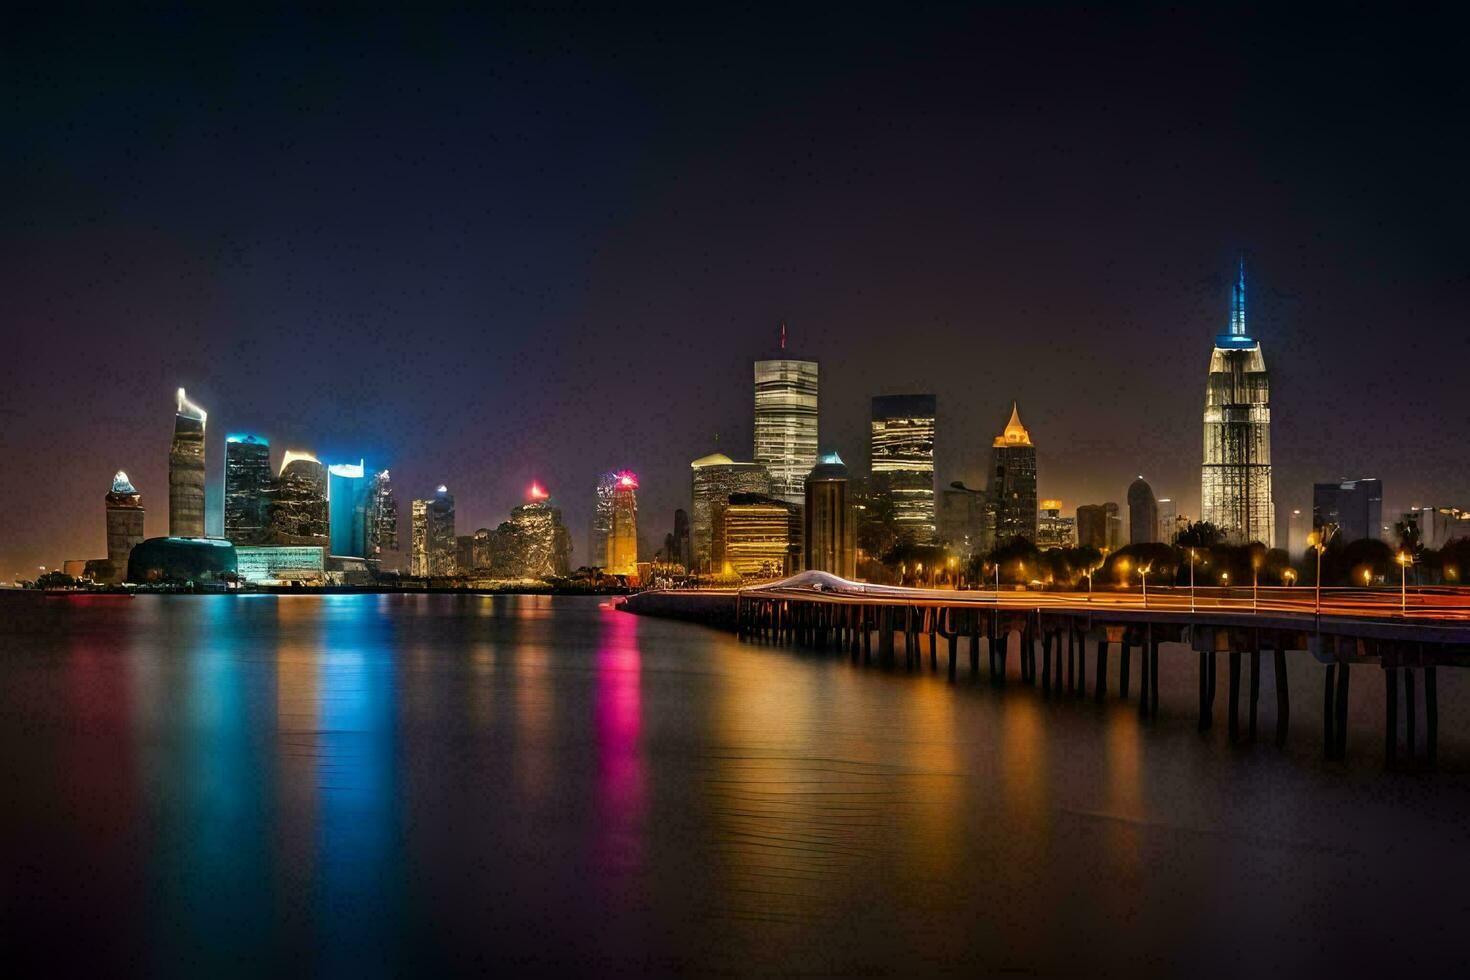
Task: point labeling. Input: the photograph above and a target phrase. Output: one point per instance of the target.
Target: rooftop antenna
(1237, 307)
(783, 334)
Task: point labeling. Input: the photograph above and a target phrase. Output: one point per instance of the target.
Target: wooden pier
(893, 627)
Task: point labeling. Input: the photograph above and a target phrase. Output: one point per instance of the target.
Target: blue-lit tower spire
(1237, 304)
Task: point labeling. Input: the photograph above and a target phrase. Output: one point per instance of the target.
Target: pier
(916, 629)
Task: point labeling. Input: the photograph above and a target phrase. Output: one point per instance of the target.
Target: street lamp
(1191, 580)
(1255, 581)
(1405, 560)
(1290, 576)
(1143, 575)
(1318, 539)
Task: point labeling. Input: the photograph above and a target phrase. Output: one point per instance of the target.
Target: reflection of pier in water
(1397, 632)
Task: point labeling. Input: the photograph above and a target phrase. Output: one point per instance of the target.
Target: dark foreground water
(369, 785)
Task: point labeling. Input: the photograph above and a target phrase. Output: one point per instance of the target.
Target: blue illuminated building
(347, 499)
(247, 475)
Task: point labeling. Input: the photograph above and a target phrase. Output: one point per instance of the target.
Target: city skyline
(1084, 253)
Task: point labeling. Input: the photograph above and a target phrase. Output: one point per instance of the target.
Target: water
(370, 785)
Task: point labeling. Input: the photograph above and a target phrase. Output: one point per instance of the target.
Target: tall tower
(786, 420)
(901, 456)
(247, 475)
(601, 529)
(382, 519)
(186, 471)
(1235, 482)
(1143, 513)
(1013, 481)
(124, 524)
(347, 507)
(829, 530)
(622, 542)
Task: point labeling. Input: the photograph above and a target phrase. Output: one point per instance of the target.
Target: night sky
(485, 249)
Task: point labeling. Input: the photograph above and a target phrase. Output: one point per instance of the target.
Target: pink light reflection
(619, 720)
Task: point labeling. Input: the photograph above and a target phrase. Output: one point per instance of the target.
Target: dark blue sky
(485, 248)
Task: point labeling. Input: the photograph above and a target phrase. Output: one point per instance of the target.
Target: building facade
(1099, 526)
(186, 471)
(829, 538)
(1235, 482)
(247, 476)
(1052, 529)
(786, 423)
(901, 461)
(961, 521)
(622, 541)
(418, 539)
(1143, 513)
(382, 521)
(602, 517)
(533, 544)
(713, 479)
(296, 503)
(1013, 482)
(1168, 517)
(1355, 506)
(348, 498)
(282, 564)
(1438, 526)
(759, 536)
(124, 525)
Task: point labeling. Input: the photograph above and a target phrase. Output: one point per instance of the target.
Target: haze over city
(499, 248)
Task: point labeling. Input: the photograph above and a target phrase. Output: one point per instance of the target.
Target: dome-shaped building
(1143, 513)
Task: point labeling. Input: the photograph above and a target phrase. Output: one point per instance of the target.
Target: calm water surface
(371, 785)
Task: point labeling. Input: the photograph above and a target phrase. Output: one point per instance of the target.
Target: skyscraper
(622, 540)
(186, 471)
(901, 458)
(1143, 513)
(124, 524)
(1235, 482)
(786, 421)
(1013, 482)
(961, 521)
(759, 536)
(347, 502)
(533, 544)
(1297, 529)
(1168, 516)
(418, 544)
(297, 502)
(829, 531)
(712, 479)
(681, 552)
(1098, 526)
(601, 528)
(1355, 506)
(433, 545)
(247, 475)
(382, 522)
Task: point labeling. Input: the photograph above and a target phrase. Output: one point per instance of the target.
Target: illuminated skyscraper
(186, 471)
(1143, 513)
(247, 475)
(601, 528)
(533, 544)
(418, 548)
(382, 521)
(1013, 482)
(786, 421)
(961, 521)
(622, 540)
(759, 536)
(347, 501)
(712, 479)
(901, 457)
(297, 507)
(829, 532)
(1235, 482)
(1298, 526)
(124, 525)
(433, 544)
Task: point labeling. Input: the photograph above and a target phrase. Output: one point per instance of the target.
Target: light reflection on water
(369, 785)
